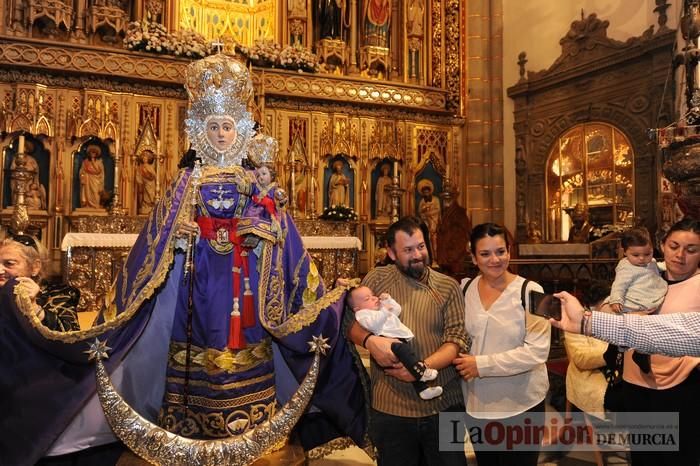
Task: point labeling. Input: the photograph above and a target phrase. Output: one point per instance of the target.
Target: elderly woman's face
(681, 254)
(14, 263)
(221, 132)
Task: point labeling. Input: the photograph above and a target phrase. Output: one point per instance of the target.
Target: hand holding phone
(545, 305)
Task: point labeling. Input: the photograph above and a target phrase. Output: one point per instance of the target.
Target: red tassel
(248, 306)
(236, 339)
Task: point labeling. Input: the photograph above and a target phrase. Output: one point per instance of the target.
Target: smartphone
(545, 305)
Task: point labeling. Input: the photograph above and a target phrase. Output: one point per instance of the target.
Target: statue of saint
(92, 178)
(429, 212)
(453, 235)
(580, 231)
(330, 18)
(338, 186)
(377, 22)
(381, 193)
(35, 192)
(146, 182)
(414, 20)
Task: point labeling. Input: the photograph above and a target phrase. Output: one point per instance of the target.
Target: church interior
(564, 121)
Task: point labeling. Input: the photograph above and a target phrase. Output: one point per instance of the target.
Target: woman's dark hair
(487, 229)
(687, 224)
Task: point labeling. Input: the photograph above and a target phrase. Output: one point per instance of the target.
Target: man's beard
(416, 268)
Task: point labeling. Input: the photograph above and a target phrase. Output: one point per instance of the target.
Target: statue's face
(221, 132)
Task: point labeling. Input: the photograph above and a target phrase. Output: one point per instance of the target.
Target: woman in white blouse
(505, 377)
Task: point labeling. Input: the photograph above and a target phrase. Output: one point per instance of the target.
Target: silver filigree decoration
(158, 446)
(319, 345)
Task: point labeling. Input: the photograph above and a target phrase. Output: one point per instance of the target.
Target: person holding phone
(673, 382)
(504, 375)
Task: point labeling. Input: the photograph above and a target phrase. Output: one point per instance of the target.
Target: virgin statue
(209, 321)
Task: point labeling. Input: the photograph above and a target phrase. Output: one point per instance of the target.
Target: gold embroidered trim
(307, 315)
(228, 386)
(227, 360)
(183, 421)
(230, 403)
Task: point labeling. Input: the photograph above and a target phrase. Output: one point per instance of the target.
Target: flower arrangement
(339, 212)
(151, 36)
(271, 55)
(296, 57)
(262, 53)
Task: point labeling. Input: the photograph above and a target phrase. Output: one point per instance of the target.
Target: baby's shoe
(429, 374)
(430, 392)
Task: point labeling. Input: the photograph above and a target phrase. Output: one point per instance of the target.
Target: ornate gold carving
(332, 54)
(47, 78)
(285, 83)
(107, 224)
(102, 62)
(57, 11)
(325, 228)
(453, 76)
(436, 79)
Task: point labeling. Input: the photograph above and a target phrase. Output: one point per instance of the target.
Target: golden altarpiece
(98, 128)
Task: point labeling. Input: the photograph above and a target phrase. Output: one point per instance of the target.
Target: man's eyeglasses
(25, 240)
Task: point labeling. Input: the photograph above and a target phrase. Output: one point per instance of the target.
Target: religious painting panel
(381, 181)
(37, 164)
(339, 180)
(93, 176)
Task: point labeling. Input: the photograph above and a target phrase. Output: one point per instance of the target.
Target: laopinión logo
(656, 431)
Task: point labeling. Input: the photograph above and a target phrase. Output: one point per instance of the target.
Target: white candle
(158, 147)
(291, 188)
(20, 150)
(116, 148)
(396, 168)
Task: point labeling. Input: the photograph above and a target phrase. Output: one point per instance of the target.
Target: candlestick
(20, 149)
